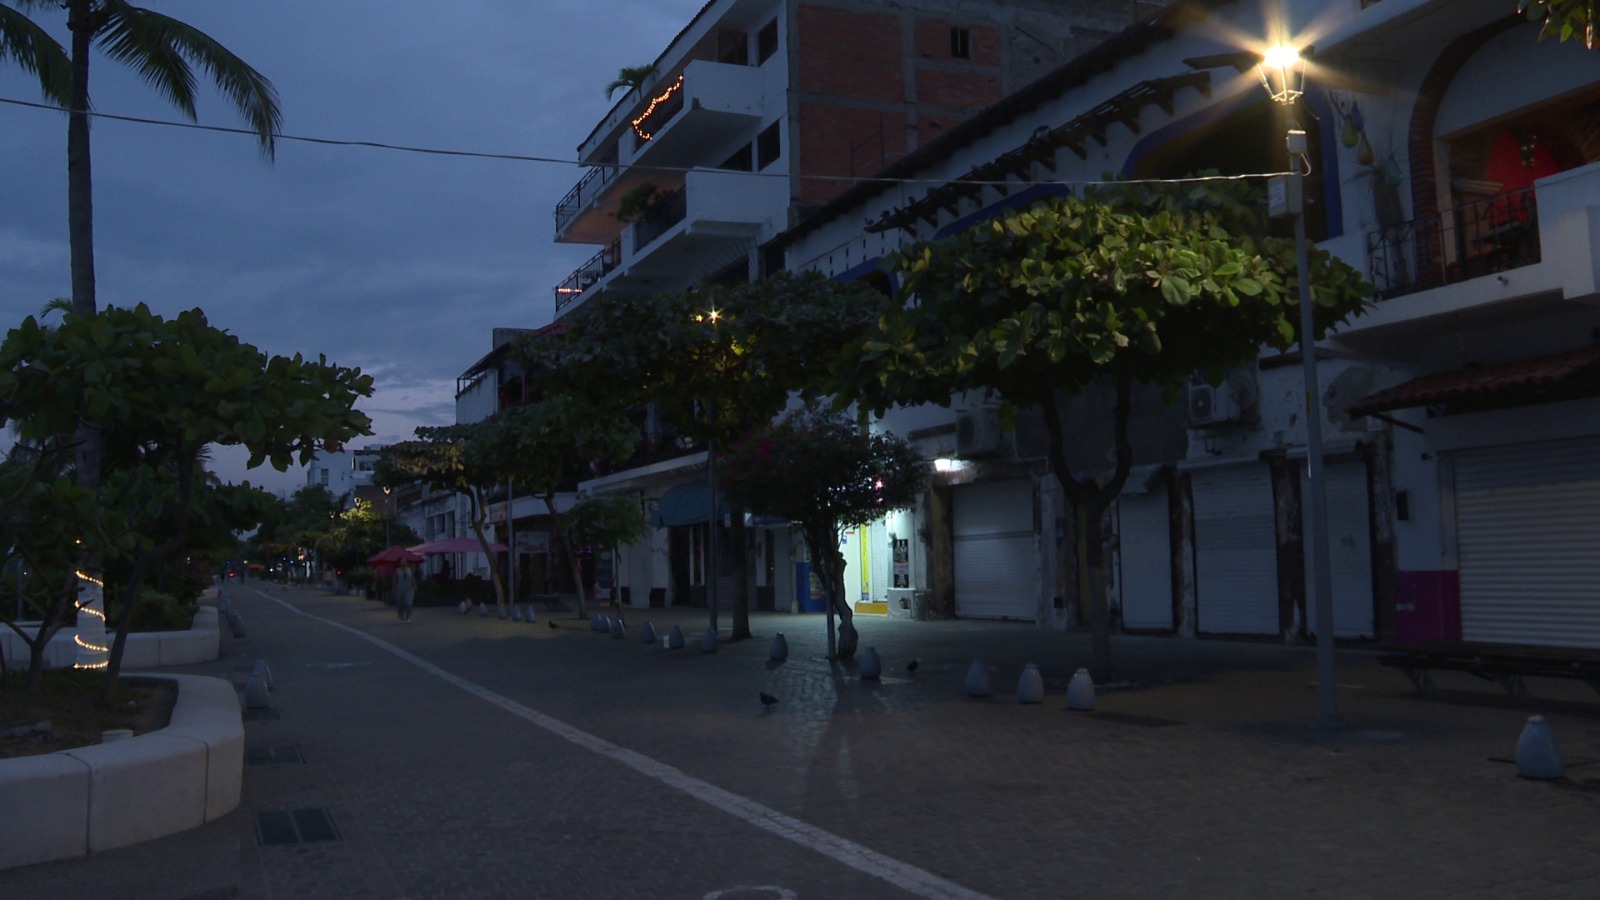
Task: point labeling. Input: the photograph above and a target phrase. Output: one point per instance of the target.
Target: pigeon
(553, 626)
(912, 666)
(767, 699)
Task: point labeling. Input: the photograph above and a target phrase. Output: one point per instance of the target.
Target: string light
(92, 655)
(656, 101)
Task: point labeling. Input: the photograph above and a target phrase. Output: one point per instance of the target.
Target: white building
(1454, 159)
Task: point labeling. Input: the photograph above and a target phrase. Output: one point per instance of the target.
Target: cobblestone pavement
(461, 756)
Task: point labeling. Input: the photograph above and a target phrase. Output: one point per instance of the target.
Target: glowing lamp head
(1283, 73)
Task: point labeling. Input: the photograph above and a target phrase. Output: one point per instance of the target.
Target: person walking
(405, 590)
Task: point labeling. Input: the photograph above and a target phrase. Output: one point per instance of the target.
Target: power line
(523, 157)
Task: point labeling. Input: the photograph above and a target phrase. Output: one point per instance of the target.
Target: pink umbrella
(394, 554)
(464, 544)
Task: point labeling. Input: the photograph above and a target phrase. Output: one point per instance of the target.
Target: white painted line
(902, 875)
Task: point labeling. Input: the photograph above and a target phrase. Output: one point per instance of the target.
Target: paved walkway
(459, 756)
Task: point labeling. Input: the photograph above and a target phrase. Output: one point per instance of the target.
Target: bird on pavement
(767, 699)
(553, 626)
(912, 666)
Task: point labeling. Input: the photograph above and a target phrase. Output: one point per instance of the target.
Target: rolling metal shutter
(1235, 550)
(1528, 541)
(1144, 540)
(1349, 551)
(996, 558)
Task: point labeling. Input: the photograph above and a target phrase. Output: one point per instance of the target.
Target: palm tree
(631, 78)
(162, 50)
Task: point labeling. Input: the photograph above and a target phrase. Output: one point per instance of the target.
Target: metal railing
(1481, 238)
(587, 275)
(669, 211)
(583, 193)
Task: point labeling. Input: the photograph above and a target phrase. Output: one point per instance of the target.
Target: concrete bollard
(978, 680)
(255, 693)
(597, 624)
(500, 612)
(483, 610)
(779, 651)
(618, 630)
(1030, 686)
(236, 621)
(1538, 756)
(647, 634)
(529, 614)
(516, 613)
(462, 607)
(708, 641)
(1080, 692)
(871, 668)
(260, 669)
(675, 639)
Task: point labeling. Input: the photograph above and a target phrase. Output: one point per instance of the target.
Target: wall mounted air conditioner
(1231, 402)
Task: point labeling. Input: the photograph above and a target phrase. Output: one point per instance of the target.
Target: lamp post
(388, 515)
(1282, 71)
(712, 519)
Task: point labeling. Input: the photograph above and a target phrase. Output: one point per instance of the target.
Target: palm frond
(36, 52)
(161, 48)
(631, 77)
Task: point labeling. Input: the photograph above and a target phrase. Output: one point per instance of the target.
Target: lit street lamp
(1282, 71)
(388, 515)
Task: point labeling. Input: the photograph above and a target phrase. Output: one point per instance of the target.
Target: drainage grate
(260, 715)
(272, 756)
(295, 826)
(1135, 719)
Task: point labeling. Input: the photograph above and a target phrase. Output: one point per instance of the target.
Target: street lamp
(388, 515)
(713, 316)
(1282, 71)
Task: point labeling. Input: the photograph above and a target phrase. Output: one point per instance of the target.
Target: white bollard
(978, 680)
(1538, 756)
(255, 693)
(779, 651)
(871, 666)
(1080, 692)
(647, 634)
(1030, 687)
(708, 641)
(675, 639)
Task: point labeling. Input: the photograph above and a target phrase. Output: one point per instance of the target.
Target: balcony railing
(663, 215)
(583, 194)
(586, 275)
(1481, 238)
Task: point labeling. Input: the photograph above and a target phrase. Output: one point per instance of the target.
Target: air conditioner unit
(979, 434)
(1232, 401)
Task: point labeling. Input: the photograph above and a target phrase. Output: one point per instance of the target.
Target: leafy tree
(609, 522)
(1131, 285)
(165, 389)
(718, 362)
(821, 472)
(1563, 18)
(360, 532)
(631, 78)
(163, 51)
(464, 459)
(541, 447)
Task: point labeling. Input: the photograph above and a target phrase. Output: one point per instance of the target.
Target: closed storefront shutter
(1236, 551)
(1145, 544)
(1528, 542)
(1349, 551)
(996, 558)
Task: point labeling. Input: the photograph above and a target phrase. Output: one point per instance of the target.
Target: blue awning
(686, 504)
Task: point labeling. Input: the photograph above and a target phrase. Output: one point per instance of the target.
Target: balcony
(583, 194)
(587, 276)
(713, 211)
(1482, 238)
(709, 106)
(1517, 266)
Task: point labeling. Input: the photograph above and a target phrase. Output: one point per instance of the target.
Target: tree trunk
(572, 553)
(1092, 499)
(739, 552)
(823, 542)
(480, 516)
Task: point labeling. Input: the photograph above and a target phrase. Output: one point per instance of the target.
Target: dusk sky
(398, 263)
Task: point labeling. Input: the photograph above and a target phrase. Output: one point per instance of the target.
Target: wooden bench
(1506, 666)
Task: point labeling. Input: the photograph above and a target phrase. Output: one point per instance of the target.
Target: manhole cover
(294, 826)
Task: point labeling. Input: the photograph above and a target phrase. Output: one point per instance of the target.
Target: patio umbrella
(463, 544)
(394, 554)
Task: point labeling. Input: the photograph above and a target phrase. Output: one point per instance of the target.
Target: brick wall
(945, 90)
(932, 37)
(850, 54)
(844, 140)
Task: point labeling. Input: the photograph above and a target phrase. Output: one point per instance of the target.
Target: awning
(1563, 376)
(686, 504)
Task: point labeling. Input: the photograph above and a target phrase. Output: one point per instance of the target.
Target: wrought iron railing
(586, 275)
(583, 194)
(1481, 238)
(665, 213)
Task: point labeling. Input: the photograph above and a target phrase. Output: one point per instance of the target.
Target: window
(739, 161)
(766, 42)
(733, 48)
(768, 147)
(961, 43)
